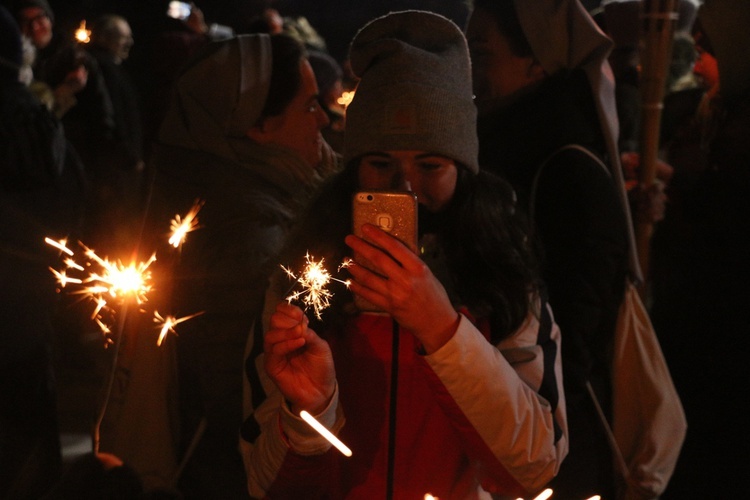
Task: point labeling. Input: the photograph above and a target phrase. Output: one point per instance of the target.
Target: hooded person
(453, 389)
(37, 199)
(543, 84)
(241, 142)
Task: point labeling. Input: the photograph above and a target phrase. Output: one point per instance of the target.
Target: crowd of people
(516, 127)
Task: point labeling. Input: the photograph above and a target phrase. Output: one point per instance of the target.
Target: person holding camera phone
(455, 388)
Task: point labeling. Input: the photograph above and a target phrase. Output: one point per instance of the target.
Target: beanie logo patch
(400, 119)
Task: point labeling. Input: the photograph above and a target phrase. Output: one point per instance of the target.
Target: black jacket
(579, 221)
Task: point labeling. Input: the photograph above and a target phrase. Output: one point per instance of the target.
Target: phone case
(393, 211)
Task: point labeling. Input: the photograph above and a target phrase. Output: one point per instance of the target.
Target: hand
(404, 287)
(195, 21)
(298, 361)
(649, 204)
(631, 165)
(76, 79)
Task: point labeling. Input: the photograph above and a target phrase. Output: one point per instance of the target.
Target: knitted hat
(19, 5)
(220, 94)
(415, 89)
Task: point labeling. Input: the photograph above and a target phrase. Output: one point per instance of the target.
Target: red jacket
(468, 417)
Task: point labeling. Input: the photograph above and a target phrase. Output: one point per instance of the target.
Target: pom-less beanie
(415, 89)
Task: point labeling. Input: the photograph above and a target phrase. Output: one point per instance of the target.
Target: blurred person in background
(242, 135)
(542, 82)
(39, 197)
(111, 41)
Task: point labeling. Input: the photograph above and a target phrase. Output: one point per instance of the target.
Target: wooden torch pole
(659, 19)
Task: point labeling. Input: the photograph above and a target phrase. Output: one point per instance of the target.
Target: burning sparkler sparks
(313, 281)
(325, 433)
(117, 280)
(181, 226)
(60, 245)
(168, 323)
(107, 283)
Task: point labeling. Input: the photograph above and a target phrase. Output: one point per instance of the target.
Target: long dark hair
(484, 238)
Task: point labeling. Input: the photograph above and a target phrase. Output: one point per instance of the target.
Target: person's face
(431, 177)
(496, 72)
(298, 127)
(122, 41)
(36, 25)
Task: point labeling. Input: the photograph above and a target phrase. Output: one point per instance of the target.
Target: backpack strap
(634, 266)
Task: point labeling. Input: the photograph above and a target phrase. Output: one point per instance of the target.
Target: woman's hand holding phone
(404, 287)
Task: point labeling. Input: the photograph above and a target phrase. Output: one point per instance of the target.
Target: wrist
(313, 407)
(441, 336)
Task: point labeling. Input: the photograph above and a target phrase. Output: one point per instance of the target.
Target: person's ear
(264, 131)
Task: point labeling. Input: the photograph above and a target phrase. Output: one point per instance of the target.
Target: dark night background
(335, 20)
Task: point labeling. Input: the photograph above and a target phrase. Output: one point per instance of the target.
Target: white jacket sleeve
(500, 391)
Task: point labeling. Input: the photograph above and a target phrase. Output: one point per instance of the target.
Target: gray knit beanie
(415, 89)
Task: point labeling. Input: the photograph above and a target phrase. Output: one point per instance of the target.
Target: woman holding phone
(454, 389)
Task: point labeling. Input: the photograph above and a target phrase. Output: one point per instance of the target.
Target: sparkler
(325, 433)
(111, 283)
(181, 226)
(108, 282)
(313, 279)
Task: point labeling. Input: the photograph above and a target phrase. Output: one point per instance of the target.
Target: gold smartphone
(395, 212)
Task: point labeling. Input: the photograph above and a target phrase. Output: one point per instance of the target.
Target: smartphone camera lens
(369, 197)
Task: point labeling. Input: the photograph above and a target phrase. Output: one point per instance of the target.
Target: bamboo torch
(659, 19)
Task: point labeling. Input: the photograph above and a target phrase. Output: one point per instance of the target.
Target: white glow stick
(325, 433)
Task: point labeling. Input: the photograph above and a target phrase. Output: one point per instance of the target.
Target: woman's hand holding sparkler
(298, 361)
(404, 287)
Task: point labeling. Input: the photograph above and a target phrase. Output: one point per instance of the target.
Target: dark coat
(579, 224)
(221, 271)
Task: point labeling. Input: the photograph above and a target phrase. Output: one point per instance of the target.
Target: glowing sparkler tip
(107, 284)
